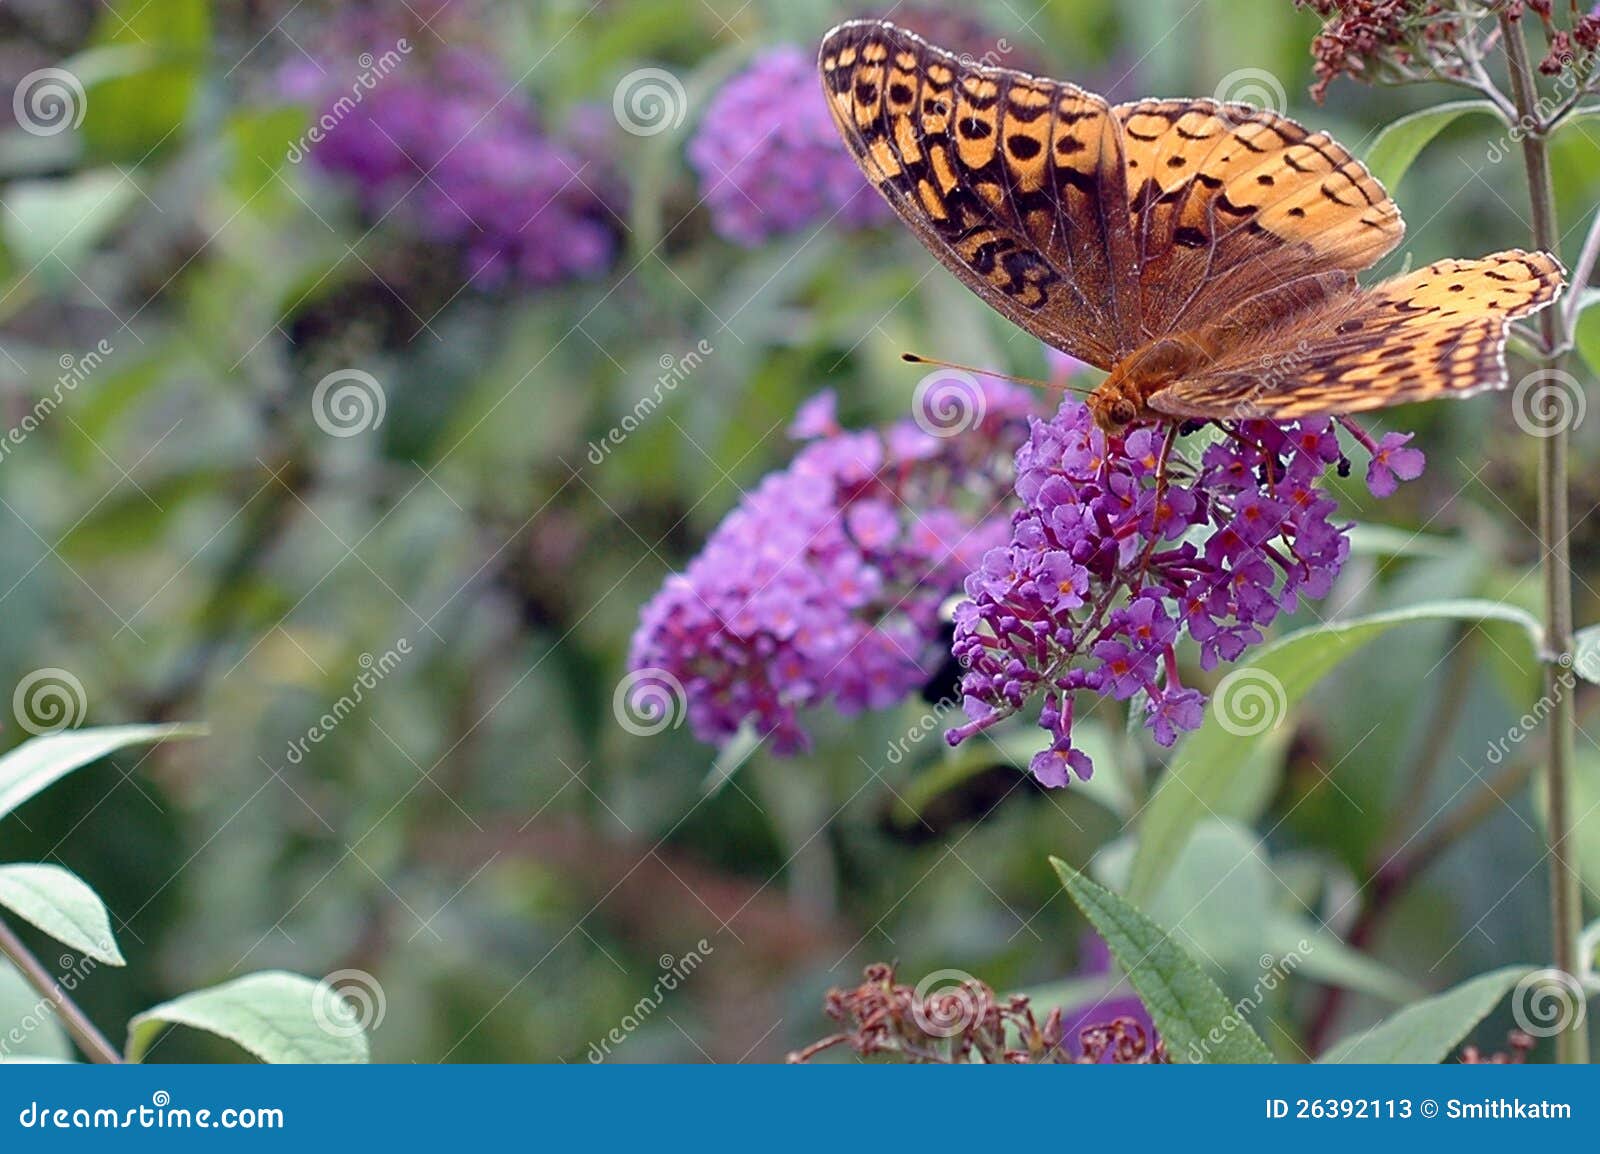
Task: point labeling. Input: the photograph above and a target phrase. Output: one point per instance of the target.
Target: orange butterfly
(1204, 253)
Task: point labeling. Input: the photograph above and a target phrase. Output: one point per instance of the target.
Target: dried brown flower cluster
(965, 1022)
(1392, 41)
(1382, 41)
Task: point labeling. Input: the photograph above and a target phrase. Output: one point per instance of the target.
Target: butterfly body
(1125, 396)
(1203, 253)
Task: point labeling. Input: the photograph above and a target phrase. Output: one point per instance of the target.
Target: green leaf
(130, 113)
(1587, 338)
(1397, 146)
(41, 762)
(1322, 957)
(1586, 653)
(60, 221)
(29, 1028)
(1430, 1030)
(277, 1016)
(62, 905)
(1195, 1019)
(1274, 679)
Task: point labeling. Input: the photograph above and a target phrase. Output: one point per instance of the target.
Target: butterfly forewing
(1015, 184)
(1228, 202)
(1438, 331)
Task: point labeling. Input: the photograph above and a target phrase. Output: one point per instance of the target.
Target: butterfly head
(1112, 406)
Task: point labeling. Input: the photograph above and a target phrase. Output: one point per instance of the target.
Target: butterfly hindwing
(1438, 331)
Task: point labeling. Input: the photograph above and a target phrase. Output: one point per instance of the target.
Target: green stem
(1566, 909)
(90, 1040)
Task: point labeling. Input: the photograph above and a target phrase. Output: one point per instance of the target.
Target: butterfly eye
(1123, 412)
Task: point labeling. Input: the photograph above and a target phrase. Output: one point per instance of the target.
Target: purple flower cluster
(826, 582)
(1106, 569)
(769, 158)
(439, 137)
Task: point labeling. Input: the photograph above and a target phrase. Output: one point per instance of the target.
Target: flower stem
(90, 1040)
(1572, 1045)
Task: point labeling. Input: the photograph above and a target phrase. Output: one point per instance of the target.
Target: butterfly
(1203, 252)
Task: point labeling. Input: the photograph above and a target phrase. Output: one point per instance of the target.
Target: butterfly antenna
(1053, 386)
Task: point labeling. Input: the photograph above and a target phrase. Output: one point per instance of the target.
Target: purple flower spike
(769, 158)
(1107, 569)
(826, 583)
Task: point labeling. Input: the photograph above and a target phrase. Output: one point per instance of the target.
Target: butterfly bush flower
(826, 582)
(769, 158)
(1106, 570)
(446, 142)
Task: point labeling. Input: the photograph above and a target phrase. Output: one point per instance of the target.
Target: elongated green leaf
(1252, 705)
(41, 762)
(1322, 957)
(1428, 1031)
(1195, 1019)
(277, 1016)
(62, 905)
(1397, 146)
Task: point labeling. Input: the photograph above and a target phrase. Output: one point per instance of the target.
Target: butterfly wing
(1096, 229)
(1015, 184)
(1438, 331)
(1228, 202)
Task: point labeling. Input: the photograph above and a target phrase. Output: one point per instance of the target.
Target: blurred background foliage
(480, 834)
